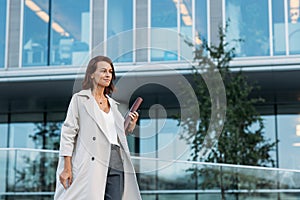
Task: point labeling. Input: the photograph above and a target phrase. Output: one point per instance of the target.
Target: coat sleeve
(69, 129)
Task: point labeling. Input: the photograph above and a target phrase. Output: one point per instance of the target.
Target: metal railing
(30, 174)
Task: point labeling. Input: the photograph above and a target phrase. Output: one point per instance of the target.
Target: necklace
(101, 101)
(99, 98)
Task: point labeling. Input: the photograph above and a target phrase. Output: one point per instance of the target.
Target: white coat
(82, 138)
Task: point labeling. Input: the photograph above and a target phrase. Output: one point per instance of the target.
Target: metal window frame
(149, 32)
(91, 26)
(134, 31)
(286, 23)
(6, 35)
(21, 34)
(271, 28)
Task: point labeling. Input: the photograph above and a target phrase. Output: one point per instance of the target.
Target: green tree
(242, 139)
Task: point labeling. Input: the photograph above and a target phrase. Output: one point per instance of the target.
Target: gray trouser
(115, 176)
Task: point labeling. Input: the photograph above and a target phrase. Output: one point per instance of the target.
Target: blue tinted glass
(35, 33)
(279, 46)
(2, 31)
(249, 21)
(163, 13)
(200, 21)
(160, 138)
(148, 141)
(186, 22)
(3, 135)
(119, 30)
(20, 135)
(70, 32)
(170, 145)
(164, 44)
(289, 142)
(294, 26)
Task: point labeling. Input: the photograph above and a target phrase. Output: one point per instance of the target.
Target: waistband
(115, 146)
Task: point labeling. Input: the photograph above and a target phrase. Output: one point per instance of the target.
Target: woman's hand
(134, 117)
(65, 176)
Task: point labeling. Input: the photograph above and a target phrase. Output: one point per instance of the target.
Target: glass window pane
(51, 136)
(70, 32)
(164, 43)
(3, 131)
(294, 26)
(2, 31)
(160, 137)
(185, 9)
(23, 128)
(270, 132)
(249, 21)
(170, 145)
(278, 27)
(3, 135)
(35, 33)
(20, 135)
(289, 141)
(3, 163)
(119, 30)
(148, 138)
(200, 21)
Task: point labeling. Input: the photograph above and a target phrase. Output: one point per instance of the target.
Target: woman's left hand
(134, 117)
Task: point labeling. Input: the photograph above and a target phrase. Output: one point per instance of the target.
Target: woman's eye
(105, 71)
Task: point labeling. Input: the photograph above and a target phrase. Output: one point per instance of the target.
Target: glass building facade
(55, 33)
(44, 45)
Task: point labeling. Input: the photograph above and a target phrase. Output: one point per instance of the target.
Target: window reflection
(294, 11)
(3, 144)
(159, 138)
(27, 170)
(3, 135)
(119, 30)
(68, 37)
(2, 31)
(21, 135)
(249, 21)
(185, 9)
(278, 27)
(200, 21)
(29, 130)
(3, 162)
(70, 33)
(164, 15)
(289, 141)
(294, 26)
(35, 33)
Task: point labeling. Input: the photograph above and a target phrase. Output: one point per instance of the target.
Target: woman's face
(103, 74)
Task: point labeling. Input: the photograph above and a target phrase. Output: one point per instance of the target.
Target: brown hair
(91, 68)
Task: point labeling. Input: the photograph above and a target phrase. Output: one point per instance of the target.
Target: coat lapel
(91, 107)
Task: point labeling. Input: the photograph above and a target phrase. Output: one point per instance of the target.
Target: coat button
(94, 138)
(93, 158)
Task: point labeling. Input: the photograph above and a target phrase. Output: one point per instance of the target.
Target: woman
(94, 159)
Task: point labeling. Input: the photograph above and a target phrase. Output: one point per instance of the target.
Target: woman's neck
(98, 92)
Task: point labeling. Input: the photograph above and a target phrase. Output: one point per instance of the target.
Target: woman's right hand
(65, 176)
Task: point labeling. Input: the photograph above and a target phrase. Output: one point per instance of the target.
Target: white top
(109, 125)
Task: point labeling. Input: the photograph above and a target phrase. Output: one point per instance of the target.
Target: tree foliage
(242, 140)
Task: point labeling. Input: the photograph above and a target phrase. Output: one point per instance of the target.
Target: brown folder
(133, 108)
